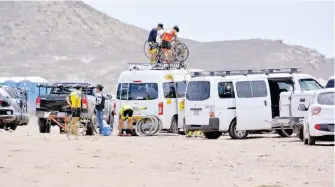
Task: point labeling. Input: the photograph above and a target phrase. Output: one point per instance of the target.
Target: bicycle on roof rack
(180, 56)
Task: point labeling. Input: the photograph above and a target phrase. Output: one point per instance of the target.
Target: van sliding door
(253, 104)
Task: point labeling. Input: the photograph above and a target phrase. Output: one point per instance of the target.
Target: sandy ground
(30, 159)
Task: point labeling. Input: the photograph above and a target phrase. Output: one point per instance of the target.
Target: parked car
(330, 82)
(13, 108)
(54, 100)
(320, 118)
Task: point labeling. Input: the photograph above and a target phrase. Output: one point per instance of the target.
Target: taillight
(211, 111)
(279, 105)
(114, 108)
(84, 103)
(315, 110)
(38, 102)
(160, 108)
(317, 127)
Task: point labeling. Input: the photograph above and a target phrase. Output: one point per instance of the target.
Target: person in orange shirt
(167, 37)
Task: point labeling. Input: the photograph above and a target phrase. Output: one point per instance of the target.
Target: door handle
(302, 99)
(265, 103)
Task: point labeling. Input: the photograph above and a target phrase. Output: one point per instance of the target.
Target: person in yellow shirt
(126, 113)
(74, 101)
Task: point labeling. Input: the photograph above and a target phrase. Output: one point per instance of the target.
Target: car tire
(212, 135)
(174, 125)
(300, 135)
(90, 131)
(311, 140)
(234, 134)
(12, 126)
(284, 132)
(43, 126)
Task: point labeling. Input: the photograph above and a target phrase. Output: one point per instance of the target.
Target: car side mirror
(302, 107)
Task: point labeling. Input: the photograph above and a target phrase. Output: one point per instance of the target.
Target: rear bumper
(325, 129)
(213, 125)
(7, 118)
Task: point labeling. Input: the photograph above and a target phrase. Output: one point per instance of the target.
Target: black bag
(101, 106)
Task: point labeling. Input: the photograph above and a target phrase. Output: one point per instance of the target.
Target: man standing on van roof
(153, 42)
(99, 106)
(74, 101)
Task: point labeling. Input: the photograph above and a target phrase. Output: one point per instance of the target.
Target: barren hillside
(72, 41)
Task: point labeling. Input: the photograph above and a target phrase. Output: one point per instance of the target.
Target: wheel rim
(239, 134)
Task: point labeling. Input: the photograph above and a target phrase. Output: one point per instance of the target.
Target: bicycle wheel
(182, 53)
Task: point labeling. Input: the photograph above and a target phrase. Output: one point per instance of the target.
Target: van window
(169, 90)
(258, 89)
(226, 90)
(326, 98)
(137, 91)
(249, 89)
(330, 83)
(309, 84)
(198, 90)
(181, 89)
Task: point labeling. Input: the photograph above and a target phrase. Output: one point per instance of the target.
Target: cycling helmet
(176, 28)
(100, 87)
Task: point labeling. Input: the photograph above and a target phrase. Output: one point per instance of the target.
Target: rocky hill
(64, 41)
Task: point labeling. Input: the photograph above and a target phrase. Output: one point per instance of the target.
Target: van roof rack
(244, 72)
(157, 66)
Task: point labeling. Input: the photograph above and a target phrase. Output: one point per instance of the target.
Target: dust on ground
(31, 159)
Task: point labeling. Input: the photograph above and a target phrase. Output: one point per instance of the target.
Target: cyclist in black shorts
(126, 113)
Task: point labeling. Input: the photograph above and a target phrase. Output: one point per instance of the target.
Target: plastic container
(107, 131)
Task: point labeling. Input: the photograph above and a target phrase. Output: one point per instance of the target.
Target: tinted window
(326, 98)
(198, 90)
(258, 89)
(122, 91)
(226, 90)
(137, 91)
(248, 89)
(169, 90)
(68, 90)
(309, 84)
(330, 83)
(181, 89)
(243, 89)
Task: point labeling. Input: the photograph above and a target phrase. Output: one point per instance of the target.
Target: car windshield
(198, 90)
(330, 83)
(326, 98)
(309, 85)
(137, 91)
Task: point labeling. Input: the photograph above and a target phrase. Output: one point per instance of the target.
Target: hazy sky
(306, 23)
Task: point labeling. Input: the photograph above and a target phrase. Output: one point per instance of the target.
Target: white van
(240, 101)
(159, 91)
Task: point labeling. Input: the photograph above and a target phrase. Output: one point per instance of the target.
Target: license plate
(9, 112)
(196, 112)
(61, 114)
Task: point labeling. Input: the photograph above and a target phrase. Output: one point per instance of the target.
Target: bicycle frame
(55, 117)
